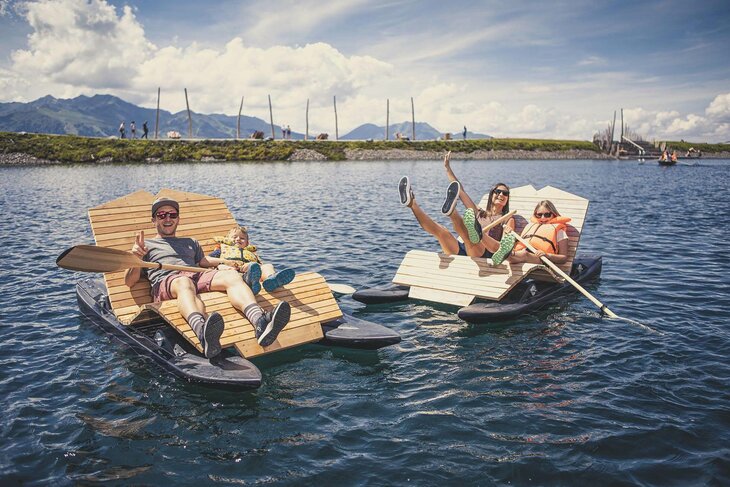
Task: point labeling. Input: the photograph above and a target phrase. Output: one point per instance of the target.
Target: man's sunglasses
(548, 214)
(161, 215)
(502, 191)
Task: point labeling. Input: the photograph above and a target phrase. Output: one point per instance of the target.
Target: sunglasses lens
(161, 215)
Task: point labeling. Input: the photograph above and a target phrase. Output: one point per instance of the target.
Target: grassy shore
(36, 148)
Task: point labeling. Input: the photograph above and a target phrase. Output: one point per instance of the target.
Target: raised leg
(448, 243)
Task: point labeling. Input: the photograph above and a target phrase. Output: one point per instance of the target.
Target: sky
(533, 69)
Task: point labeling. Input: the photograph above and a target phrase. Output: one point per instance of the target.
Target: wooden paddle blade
(90, 258)
(340, 288)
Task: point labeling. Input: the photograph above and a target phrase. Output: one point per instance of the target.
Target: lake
(562, 397)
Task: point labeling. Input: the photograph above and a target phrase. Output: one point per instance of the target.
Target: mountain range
(100, 116)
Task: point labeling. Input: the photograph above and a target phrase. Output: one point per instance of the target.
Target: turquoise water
(562, 397)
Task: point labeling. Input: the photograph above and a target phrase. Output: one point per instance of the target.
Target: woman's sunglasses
(548, 214)
(502, 191)
(161, 215)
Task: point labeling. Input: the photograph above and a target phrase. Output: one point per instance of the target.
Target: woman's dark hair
(505, 210)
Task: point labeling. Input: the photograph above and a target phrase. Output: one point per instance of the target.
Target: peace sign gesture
(139, 248)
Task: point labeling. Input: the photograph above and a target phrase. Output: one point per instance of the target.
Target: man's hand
(139, 248)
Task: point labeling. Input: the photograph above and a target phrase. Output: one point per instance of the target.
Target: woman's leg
(448, 243)
(472, 250)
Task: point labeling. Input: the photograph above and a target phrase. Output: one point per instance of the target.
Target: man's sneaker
(505, 247)
(252, 276)
(473, 226)
(406, 193)
(452, 194)
(281, 278)
(210, 335)
(271, 323)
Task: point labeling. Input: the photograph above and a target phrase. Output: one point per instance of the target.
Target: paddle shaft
(171, 267)
(90, 258)
(499, 220)
(565, 276)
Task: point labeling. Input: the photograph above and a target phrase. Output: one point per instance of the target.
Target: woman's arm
(465, 199)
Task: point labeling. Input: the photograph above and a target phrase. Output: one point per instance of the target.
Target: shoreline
(20, 149)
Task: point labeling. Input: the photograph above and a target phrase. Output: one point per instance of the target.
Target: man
(145, 130)
(166, 248)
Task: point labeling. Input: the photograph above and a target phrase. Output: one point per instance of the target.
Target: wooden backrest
(116, 223)
(524, 198)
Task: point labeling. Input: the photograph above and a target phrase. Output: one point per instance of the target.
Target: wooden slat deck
(202, 217)
(458, 280)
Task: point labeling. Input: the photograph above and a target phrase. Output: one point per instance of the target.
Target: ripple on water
(561, 396)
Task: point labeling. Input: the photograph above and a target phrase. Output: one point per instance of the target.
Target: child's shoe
(281, 278)
(252, 276)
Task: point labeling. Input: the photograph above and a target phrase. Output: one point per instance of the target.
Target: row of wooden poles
(271, 118)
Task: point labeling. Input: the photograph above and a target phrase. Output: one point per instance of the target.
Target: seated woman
(474, 243)
(546, 233)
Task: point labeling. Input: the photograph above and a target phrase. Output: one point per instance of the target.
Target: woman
(546, 233)
(478, 245)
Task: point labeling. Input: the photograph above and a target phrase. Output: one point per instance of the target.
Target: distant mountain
(100, 116)
(424, 131)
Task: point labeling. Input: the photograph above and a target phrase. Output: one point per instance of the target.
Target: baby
(235, 247)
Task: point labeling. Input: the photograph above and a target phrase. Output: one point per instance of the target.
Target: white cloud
(89, 46)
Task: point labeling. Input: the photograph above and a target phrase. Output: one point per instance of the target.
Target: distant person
(145, 130)
(133, 129)
(674, 156)
(288, 132)
(464, 133)
(122, 131)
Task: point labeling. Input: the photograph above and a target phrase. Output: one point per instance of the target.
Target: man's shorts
(202, 281)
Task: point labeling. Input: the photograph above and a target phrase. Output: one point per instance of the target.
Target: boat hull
(519, 301)
(156, 340)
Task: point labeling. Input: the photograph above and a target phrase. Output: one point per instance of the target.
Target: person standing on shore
(122, 131)
(133, 129)
(145, 130)
(464, 133)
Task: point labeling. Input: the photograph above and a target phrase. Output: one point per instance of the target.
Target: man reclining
(166, 248)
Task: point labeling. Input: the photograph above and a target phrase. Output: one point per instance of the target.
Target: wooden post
(271, 119)
(413, 121)
(387, 119)
(306, 118)
(238, 122)
(337, 135)
(613, 127)
(190, 119)
(157, 117)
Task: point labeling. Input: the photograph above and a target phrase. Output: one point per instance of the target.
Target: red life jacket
(543, 236)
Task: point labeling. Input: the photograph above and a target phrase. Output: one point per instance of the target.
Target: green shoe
(472, 226)
(505, 247)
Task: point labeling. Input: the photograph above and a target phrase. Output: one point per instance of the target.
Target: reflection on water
(561, 396)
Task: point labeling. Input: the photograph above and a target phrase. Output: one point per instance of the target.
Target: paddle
(499, 220)
(559, 271)
(90, 258)
(340, 288)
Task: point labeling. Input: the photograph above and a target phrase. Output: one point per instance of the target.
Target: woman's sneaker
(271, 323)
(452, 195)
(505, 247)
(406, 193)
(252, 276)
(210, 335)
(281, 278)
(473, 226)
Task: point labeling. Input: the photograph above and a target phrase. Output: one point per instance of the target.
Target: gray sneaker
(271, 323)
(452, 195)
(210, 335)
(405, 191)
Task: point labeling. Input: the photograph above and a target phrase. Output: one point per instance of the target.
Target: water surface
(560, 397)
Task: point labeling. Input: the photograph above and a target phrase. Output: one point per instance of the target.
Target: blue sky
(518, 69)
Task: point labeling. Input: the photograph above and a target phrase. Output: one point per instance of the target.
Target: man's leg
(266, 325)
(207, 328)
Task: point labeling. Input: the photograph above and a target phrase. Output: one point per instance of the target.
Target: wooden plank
(440, 296)
(286, 339)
